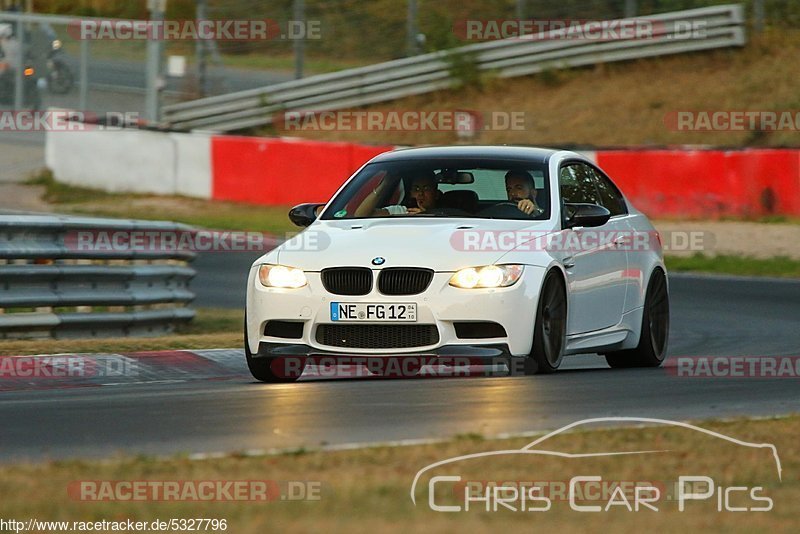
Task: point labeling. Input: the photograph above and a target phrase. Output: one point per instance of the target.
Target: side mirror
(588, 215)
(304, 214)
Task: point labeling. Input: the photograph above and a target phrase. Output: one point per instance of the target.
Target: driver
(521, 190)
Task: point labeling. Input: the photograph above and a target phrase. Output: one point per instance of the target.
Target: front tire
(550, 330)
(263, 369)
(60, 79)
(652, 348)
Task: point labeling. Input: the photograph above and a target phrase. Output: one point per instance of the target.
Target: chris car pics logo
(450, 490)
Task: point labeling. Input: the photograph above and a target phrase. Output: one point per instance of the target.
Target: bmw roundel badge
(378, 261)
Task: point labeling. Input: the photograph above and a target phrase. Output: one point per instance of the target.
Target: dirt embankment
(737, 238)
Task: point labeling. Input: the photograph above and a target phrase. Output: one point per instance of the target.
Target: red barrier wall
(707, 183)
(282, 171)
(661, 183)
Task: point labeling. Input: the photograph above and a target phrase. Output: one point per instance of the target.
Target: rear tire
(652, 348)
(550, 329)
(60, 79)
(263, 369)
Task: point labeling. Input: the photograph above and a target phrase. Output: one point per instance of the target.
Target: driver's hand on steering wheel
(414, 211)
(527, 206)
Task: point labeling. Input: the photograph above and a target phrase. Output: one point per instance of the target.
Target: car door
(612, 199)
(594, 263)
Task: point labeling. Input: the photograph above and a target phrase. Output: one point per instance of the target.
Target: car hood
(443, 245)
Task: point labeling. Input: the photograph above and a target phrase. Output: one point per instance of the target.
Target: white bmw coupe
(510, 254)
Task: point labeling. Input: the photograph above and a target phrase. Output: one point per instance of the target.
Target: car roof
(483, 152)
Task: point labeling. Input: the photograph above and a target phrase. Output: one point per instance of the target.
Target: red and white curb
(56, 371)
(60, 371)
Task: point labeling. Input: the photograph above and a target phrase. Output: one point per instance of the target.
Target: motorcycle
(60, 79)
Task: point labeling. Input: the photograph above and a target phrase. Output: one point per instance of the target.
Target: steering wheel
(453, 212)
(506, 209)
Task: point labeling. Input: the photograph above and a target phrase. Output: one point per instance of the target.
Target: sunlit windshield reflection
(468, 188)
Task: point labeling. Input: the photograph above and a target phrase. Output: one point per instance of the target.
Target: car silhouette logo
(378, 261)
(533, 448)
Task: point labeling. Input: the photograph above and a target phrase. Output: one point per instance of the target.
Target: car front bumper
(440, 305)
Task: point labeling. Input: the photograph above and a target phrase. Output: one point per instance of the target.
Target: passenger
(521, 189)
(424, 191)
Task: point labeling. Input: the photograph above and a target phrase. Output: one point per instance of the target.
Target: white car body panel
(411, 242)
(441, 304)
(605, 291)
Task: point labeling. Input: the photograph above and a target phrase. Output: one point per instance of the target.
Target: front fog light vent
(284, 329)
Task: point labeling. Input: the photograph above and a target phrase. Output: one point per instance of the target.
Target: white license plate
(364, 311)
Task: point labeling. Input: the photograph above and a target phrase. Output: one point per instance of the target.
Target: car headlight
(281, 276)
(487, 277)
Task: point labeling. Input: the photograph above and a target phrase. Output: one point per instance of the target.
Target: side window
(577, 184)
(609, 195)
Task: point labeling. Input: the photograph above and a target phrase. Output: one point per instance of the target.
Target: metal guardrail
(719, 26)
(85, 291)
(152, 87)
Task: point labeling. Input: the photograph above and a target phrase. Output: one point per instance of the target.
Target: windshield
(485, 189)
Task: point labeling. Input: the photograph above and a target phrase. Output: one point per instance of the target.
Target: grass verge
(197, 212)
(780, 267)
(367, 490)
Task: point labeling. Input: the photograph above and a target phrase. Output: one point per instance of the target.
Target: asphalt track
(710, 317)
